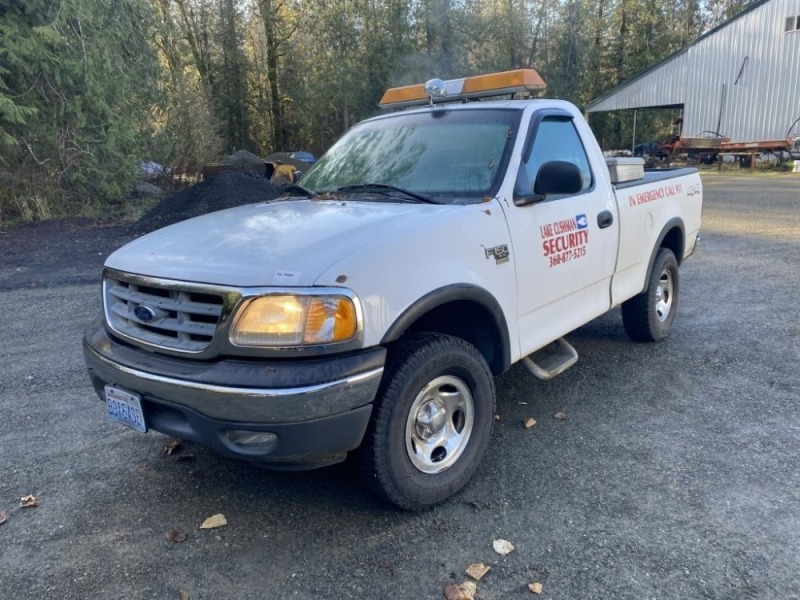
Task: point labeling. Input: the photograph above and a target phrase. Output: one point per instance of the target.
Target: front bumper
(317, 407)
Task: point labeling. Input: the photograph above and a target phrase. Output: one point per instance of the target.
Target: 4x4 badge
(500, 253)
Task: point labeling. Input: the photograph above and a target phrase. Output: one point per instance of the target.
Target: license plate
(125, 408)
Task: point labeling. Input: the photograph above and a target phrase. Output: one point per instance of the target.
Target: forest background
(90, 88)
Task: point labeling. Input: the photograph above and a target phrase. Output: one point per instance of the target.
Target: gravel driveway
(675, 474)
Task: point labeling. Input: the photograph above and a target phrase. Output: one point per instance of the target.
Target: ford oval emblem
(144, 313)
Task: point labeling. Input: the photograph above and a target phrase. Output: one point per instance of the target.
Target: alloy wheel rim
(439, 424)
(664, 295)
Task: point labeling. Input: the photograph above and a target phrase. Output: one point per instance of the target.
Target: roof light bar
(479, 86)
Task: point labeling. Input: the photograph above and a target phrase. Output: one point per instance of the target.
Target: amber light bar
(479, 86)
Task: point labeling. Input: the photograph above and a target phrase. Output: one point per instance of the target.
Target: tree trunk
(197, 52)
(269, 18)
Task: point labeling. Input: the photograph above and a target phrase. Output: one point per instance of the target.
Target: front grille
(171, 318)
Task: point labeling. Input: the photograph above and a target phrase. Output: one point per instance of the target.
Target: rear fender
(672, 236)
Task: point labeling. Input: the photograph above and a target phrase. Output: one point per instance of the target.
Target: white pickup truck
(370, 307)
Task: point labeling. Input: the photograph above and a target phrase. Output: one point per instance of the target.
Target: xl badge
(500, 253)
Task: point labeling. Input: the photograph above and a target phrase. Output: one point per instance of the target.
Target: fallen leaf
(522, 403)
(185, 457)
(173, 446)
(503, 547)
(214, 521)
(465, 591)
(176, 535)
(536, 588)
(561, 416)
(528, 423)
(3, 517)
(468, 590)
(183, 595)
(28, 501)
(477, 571)
(497, 417)
(452, 591)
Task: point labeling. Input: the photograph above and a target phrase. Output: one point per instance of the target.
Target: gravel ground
(54, 253)
(675, 474)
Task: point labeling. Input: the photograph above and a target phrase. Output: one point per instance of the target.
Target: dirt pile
(244, 161)
(226, 190)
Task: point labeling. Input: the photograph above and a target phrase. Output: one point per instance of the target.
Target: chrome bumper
(192, 385)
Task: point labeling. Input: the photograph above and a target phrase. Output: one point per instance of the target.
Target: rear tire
(648, 317)
(432, 420)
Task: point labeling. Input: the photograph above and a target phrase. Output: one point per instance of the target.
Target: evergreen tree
(76, 78)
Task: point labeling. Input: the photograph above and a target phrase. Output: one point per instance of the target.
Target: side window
(556, 139)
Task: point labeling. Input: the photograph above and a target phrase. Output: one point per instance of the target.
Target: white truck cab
(370, 306)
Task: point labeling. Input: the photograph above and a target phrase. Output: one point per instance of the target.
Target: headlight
(289, 320)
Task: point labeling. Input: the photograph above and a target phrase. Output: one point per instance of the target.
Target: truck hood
(286, 243)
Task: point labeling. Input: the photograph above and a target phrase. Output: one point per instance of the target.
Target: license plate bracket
(125, 407)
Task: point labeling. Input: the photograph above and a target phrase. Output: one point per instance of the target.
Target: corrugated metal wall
(744, 76)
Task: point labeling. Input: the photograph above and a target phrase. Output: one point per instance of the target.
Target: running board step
(552, 360)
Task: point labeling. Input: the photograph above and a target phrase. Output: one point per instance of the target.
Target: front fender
(456, 256)
(458, 293)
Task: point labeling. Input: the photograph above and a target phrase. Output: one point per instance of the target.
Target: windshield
(457, 153)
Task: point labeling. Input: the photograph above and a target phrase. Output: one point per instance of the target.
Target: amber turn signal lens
(330, 320)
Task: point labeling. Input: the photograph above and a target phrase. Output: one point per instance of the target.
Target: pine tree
(75, 77)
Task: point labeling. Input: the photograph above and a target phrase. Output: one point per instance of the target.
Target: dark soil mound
(226, 190)
(244, 161)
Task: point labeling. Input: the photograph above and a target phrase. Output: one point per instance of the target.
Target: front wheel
(647, 317)
(432, 420)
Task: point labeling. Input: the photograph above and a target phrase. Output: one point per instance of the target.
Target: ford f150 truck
(370, 307)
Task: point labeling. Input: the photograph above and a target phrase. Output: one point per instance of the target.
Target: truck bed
(654, 175)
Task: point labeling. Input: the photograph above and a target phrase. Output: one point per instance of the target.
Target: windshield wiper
(363, 187)
(298, 189)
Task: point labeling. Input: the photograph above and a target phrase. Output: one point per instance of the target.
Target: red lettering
(565, 242)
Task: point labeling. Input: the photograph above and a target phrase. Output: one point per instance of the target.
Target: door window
(557, 139)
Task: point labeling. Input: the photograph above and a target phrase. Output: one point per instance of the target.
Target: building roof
(672, 57)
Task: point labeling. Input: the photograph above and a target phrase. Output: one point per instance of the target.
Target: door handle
(605, 219)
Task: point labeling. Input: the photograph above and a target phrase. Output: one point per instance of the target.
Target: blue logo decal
(144, 313)
(582, 221)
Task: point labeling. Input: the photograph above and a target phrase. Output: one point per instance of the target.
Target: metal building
(741, 79)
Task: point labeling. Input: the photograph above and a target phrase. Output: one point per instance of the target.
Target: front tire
(432, 420)
(648, 317)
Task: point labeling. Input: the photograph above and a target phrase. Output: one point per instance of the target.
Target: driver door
(566, 245)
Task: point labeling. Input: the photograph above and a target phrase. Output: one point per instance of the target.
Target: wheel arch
(673, 237)
(454, 310)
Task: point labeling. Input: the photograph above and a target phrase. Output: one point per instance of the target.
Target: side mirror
(555, 177)
(558, 177)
